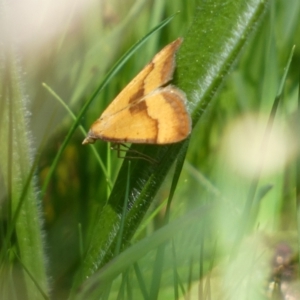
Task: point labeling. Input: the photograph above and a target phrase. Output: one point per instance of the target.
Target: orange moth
(148, 110)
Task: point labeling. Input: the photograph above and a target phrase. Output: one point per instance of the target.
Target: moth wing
(159, 118)
(156, 73)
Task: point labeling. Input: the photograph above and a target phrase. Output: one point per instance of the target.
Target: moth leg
(136, 154)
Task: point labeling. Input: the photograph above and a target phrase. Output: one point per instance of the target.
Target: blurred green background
(221, 246)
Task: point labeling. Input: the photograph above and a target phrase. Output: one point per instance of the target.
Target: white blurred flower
(32, 22)
(250, 149)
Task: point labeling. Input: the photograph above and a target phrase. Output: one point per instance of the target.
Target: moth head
(89, 138)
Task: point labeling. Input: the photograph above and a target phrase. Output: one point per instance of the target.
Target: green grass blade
(141, 281)
(34, 280)
(23, 197)
(157, 271)
(123, 217)
(159, 260)
(96, 284)
(16, 165)
(298, 177)
(73, 116)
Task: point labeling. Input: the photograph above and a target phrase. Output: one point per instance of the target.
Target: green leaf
(16, 167)
(91, 289)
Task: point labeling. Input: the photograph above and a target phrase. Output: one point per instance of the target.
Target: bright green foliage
(211, 208)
